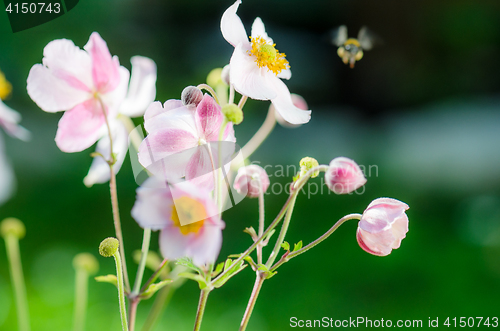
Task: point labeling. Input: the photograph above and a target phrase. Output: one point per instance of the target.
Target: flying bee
(351, 50)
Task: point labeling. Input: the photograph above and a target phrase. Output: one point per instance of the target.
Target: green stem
(81, 293)
(121, 291)
(261, 134)
(16, 275)
(114, 197)
(284, 229)
(142, 264)
(259, 280)
(231, 94)
(242, 101)
(261, 222)
(304, 249)
(133, 312)
(201, 309)
(154, 276)
(220, 180)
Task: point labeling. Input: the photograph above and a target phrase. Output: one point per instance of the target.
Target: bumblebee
(351, 50)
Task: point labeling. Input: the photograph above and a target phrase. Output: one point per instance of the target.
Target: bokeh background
(423, 107)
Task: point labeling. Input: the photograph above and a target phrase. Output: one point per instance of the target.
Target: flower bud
(191, 96)
(306, 164)
(344, 176)
(108, 247)
(382, 227)
(298, 102)
(87, 262)
(12, 226)
(233, 113)
(214, 78)
(250, 180)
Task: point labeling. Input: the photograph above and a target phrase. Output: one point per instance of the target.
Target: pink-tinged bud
(382, 227)
(191, 96)
(298, 102)
(344, 176)
(250, 180)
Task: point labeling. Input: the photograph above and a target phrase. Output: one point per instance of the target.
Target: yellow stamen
(268, 56)
(192, 213)
(5, 87)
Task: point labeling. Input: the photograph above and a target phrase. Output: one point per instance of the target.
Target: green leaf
(251, 232)
(297, 246)
(218, 269)
(265, 270)
(153, 288)
(188, 263)
(107, 279)
(197, 278)
(286, 246)
(235, 269)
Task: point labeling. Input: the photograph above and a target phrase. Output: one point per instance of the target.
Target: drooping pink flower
(382, 227)
(256, 66)
(187, 217)
(251, 180)
(344, 176)
(183, 142)
(80, 82)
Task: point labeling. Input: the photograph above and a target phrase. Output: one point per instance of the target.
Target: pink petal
(105, 72)
(247, 78)
(69, 63)
(80, 127)
(259, 30)
(156, 108)
(99, 170)
(199, 169)
(142, 88)
(208, 118)
(114, 99)
(232, 28)
(178, 118)
(283, 102)
(50, 93)
(153, 207)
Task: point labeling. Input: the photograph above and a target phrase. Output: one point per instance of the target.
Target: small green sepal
(153, 288)
(107, 279)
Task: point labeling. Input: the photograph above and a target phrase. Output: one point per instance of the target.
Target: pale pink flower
(187, 217)
(382, 227)
(256, 67)
(344, 176)
(179, 139)
(251, 180)
(9, 120)
(74, 80)
(141, 93)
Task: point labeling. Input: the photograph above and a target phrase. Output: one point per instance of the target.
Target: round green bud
(307, 163)
(214, 78)
(233, 113)
(12, 226)
(269, 50)
(87, 262)
(191, 96)
(108, 247)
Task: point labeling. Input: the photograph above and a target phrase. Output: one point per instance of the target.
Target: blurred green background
(423, 107)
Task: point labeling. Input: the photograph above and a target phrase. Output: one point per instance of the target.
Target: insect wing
(339, 35)
(367, 39)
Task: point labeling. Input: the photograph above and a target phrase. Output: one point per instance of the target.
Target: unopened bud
(12, 226)
(87, 262)
(233, 113)
(108, 247)
(214, 78)
(191, 96)
(344, 176)
(251, 180)
(306, 164)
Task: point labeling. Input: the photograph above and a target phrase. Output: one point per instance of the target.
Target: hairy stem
(259, 280)
(201, 309)
(121, 292)
(261, 134)
(209, 89)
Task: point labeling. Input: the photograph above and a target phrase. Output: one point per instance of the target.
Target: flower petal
(259, 30)
(80, 127)
(7, 178)
(232, 28)
(285, 73)
(153, 206)
(113, 99)
(284, 105)
(99, 169)
(9, 119)
(171, 116)
(105, 73)
(50, 93)
(142, 88)
(247, 78)
(208, 118)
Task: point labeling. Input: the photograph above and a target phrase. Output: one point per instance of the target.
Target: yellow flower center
(268, 56)
(5, 87)
(190, 212)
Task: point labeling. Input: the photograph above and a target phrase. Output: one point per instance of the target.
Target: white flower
(256, 66)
